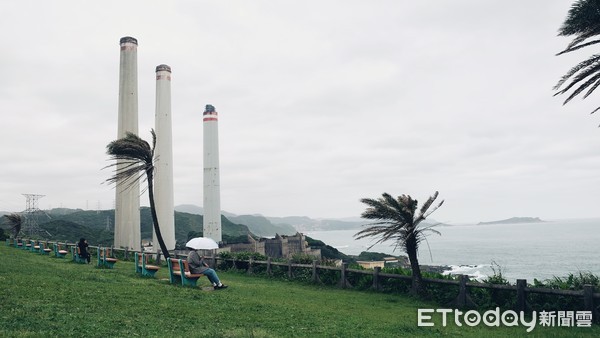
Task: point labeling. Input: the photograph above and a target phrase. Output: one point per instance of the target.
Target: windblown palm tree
(399, 221)
(135, 156)
(15, 221)
(582, 22)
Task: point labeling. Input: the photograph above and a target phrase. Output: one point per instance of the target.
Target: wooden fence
(589, 297)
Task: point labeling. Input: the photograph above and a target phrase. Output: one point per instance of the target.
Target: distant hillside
(194, 209)
(303, 223)
(261, 226)
(98, 226)
(515, 220)
(257, 224)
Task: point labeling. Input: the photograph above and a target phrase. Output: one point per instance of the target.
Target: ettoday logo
(506, 318)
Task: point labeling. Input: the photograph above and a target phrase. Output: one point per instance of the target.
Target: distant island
(515, 220)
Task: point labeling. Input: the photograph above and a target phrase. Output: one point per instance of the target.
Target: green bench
(142, 268)
(179, 273)
(44, 250)
(58, 252)
(35, 247)
(76, 253)
(105, 258)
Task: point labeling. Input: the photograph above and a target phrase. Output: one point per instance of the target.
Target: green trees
(135, 156)
(582, 22)
(399, 221)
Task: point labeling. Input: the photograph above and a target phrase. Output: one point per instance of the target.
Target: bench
(177, 277)
(58, 252)
(143, 268)
(43, 250)
(105, 258)
(76, 252)
(35, 247)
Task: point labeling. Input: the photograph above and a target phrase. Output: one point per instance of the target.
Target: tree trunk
(161, 242)
(417, 279)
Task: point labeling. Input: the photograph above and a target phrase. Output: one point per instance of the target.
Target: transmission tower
(31, 226)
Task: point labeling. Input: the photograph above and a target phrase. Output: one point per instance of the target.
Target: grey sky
(321, 103)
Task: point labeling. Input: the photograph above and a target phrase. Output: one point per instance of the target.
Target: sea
(542, 250)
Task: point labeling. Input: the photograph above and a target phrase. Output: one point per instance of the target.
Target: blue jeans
(212, 276)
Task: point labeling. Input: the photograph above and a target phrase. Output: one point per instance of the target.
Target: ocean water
(520, 251)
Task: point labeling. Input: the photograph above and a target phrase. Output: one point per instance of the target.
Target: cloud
(320, 104)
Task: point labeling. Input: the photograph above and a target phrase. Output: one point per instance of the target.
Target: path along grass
(46, 296)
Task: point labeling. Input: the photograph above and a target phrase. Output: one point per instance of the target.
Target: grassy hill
(57, 298)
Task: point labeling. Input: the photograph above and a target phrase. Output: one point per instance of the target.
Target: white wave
(473, 271)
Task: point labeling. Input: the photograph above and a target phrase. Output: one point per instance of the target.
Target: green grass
(48, 297)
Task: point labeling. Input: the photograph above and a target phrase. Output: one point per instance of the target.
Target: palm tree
(399, 221)
(582, 22)
(15, 221)
(135, 156)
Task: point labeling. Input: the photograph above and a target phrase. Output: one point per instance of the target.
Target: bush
(563, 303)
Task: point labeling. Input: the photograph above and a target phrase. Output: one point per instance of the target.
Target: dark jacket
(83, 249)
(196, 263)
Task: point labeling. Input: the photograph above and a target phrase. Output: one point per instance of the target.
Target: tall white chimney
(127, 200)
(163, 154)
(212, 188)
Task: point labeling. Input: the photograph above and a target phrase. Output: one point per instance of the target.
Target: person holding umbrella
(197, 263)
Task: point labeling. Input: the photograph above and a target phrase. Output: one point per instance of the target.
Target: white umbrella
(202, 243)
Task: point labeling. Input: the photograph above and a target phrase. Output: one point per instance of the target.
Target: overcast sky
(321, 103)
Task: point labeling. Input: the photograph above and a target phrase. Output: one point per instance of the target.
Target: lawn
(51, 297)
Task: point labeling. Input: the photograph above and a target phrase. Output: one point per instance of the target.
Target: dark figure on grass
(82, 248)
(197, 265)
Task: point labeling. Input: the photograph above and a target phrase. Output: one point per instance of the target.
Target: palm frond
(583, 64)
(15, 221)
(133, 156)
(582, 22)
(574, 48)
(579, 39)
(584, 85)
(582, 17)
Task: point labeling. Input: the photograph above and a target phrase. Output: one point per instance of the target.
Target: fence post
(126, 254)
(250, 266)
(521, 296)
(269, 272)
(588, 300)
(158, 255)
(376, 284)
(342, 282)
(315, 274)
(463, 299)
(290, 274)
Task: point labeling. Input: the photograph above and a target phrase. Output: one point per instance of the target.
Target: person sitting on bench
(82, 246)
(197, 265)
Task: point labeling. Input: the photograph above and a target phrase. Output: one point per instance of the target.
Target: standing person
(197, 265)
(82, 246)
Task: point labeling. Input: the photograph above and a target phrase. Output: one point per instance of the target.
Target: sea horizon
(540, 250)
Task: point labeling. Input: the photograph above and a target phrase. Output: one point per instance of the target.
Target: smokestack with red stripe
(127, 199)
(212, 187)
(163, 152)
